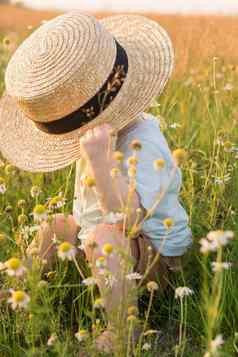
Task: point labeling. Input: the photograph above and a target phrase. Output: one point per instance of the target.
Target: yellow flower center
(89, 181)
(18, 296)
(65, 247)
(118, 156)
(107, 248)
(159, 164)
(168, 222)
(83, 332)
(179, 156)
(13, 263)
(39, 209)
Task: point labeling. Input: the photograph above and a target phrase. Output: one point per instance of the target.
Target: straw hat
(75, 72)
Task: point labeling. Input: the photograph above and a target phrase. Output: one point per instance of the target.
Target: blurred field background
(199, 112)
(195, 38)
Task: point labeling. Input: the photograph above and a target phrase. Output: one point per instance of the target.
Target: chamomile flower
(40, 213)
(14, 267)
(133, 276)
(35, 191)
(216, 343)
(56, 202)
(91, 281)
(101, 262)
(168, 223)
(183, 291)
(146, 346)
(81, 335)
(110, 280)
(19, 299)
(52, 339)
(66, 251)
(219, 266)
(98, 303)
(107, 249)
(3, 187)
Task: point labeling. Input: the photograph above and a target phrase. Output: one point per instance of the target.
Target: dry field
(196, 38)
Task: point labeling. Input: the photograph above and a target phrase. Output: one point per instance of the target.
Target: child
(68, 86)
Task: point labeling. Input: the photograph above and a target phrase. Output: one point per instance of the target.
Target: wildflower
(113, 218)
(118, 156)
(21, 203)
(168, 223)
(3, 187)
(222, 180)
(146, 346)
(228, 87)
(132, 161)
(115, 172)
(228, 146)
(132, 310)
(81, 335)
(219, 266)
(159, 164)
(216, 343)
(22, 219)
(52, 339)
(66, 251)
(10, 169)
(133, 276)
(220, 237)
(136, 145)
(179, 156)
(152, 286)
(14, 267)
(18, 299)
(110, 280)
(40, 213)
(101, 262)
(91, 281)
(183, 291)
(174, 125)
(98, 303)
(132, 318)
(56, 202)
(8, 209)
(6, 42)
(206, 246)
(107, 249)
(35, 191)
(89, 181)
(132, 171)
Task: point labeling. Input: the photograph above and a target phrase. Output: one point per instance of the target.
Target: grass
(198, 112)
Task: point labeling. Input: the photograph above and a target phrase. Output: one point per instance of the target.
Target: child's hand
(96, 144)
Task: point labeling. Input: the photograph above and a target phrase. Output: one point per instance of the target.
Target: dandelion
(18, 299)
(168, 223)
(98, 303)
(152, 286)
(3, 187)
(40, 213)
(35, 191)
(136, 145)
(146, 346)
(183, 291)
(133, 276)
(91, 281)
(219, 266)
(66, 251)
(107, 249)
(56, 202)
(81, 335)
(159, 164)
(179, 156)
(52, 339)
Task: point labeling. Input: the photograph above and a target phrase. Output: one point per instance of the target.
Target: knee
(60, 226)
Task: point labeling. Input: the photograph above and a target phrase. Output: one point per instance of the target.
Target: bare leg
(103, 234)
(62, 227)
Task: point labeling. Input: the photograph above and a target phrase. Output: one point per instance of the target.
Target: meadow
(198, 113)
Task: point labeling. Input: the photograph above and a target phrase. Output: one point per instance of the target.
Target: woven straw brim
(150, 57)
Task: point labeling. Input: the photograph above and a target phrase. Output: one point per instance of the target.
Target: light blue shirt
(149, 182)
